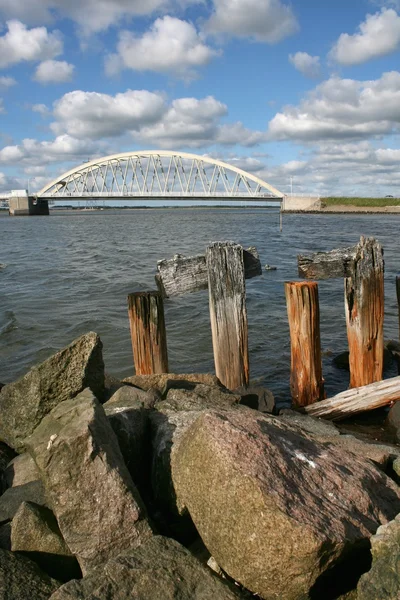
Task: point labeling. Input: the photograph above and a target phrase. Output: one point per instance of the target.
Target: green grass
(361, 201)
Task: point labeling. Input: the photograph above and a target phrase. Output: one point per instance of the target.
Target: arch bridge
(158, 174)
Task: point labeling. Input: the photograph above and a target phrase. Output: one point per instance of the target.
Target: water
(71, 273)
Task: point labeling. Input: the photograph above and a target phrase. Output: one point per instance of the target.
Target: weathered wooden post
(149, 339)
(398, 297)
(227, 295)
(306, 381)
(362, 268)
(364, 300)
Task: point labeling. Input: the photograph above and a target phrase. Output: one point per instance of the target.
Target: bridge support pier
(27, 206)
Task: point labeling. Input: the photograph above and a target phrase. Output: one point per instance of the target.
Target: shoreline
(348, 209)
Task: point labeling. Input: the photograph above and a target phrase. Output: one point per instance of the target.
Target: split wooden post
(227, 295)
(149, 339)
(362, 268)
(306, 381)
(364, 302)
(398, 297)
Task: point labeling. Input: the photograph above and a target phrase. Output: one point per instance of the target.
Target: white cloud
(171, 45)
(342, 108)
(22, 44)
(1, 106)
(41, 109)
(378, 35)
(91, 15)
(6, 82)
(236, 133)
(54, 71)
(93, 115)
(32, 152)
(261, 20)
(305, 63)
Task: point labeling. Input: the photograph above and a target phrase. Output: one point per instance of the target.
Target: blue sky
(307, 91)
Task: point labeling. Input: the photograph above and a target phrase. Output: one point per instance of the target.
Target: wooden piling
(398, 297)
(149, 339)
(306, 381)
(364, 304)
(227, 295)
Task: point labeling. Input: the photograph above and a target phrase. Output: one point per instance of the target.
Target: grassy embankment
(360, 201)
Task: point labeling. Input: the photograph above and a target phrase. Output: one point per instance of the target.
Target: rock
(196, 396)
(269, 268)
(258, 398)
(161, 569)
(320, 428)
(6, 455)
(159, 381)
(35, 533)
(393, 417)
(131, 394)
(396, 466)
(383, 580)
(275, 507)
(381, 454)
(21, 579)
(131, 424)
(97, 506)
(23, 404)
(5, 536)
(111, 385)
(12, 498)
(22, 469)
(341, 361)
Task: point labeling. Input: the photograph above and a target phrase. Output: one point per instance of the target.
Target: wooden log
(306, 381)
(187, 274)
(364, 305)
(357, 400)
(398, 297)
(149, 339)
(327, 265)
(227, 294)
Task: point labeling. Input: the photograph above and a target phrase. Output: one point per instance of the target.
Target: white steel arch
(158, 173)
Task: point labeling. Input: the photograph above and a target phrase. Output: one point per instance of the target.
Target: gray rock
(12, 498)
(132, 394)
(196, 396)
(396, 466)
(97, 506)
(381, 454)
(111, 385)
(6, 455)
(158, 381)
(317, 427)
(35, 534)
(161, 569)
(21, 579)
(131, 424)
(258, 398)
(23, 404)
(383, 580)
(393, 418)
(275, 507)
(22, 469)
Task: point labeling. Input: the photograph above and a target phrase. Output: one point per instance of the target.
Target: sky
(303, 94)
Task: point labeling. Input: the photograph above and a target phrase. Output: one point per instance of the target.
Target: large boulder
(12, 498)
(21, 579)
(132, 394)
(161, 569)
(23, 404)
(187, 396)
(276, 508)
(159, 381)
(98, 508)
(383, 580)
(35, 533)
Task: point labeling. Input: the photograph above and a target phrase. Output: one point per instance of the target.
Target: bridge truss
(158, 174)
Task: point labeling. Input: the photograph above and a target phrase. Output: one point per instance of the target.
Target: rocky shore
(169, 486)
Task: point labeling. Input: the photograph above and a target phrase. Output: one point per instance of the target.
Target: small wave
(2, 266)
(10, 324)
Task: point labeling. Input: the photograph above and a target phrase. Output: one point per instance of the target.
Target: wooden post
(306, 381)
(398, 297)
(227, 294)
(364, 304)
(149, 339)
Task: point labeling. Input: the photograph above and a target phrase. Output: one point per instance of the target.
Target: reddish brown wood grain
(306, 381)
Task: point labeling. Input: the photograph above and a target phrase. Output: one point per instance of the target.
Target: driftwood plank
(306, 381)
(187, 274)
(148, 334)
(357, 400)
(227, 294)
(327, 265)
(364, 305)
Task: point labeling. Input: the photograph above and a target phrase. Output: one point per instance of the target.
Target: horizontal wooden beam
(327, 265)
(357, 400)
(187, 274)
